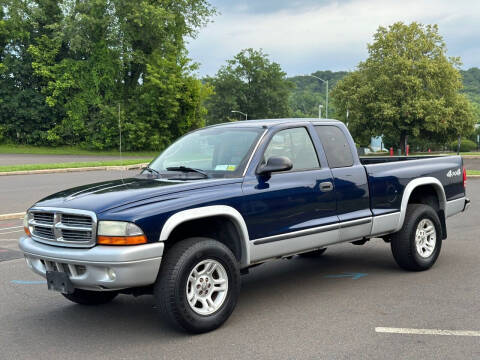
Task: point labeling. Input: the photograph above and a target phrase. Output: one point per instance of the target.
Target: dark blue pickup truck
(228, 197)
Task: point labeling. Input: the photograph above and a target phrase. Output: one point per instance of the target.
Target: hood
(104, 196)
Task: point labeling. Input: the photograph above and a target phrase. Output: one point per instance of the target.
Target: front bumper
(99, 267)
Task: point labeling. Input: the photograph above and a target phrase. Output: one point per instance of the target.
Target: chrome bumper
(99, 267)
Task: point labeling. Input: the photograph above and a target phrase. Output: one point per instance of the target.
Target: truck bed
(388, 176)
(366, 160)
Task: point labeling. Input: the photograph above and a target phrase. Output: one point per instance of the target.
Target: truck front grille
(43, 218)
(63, 227)
(76, 220)
(44, 232)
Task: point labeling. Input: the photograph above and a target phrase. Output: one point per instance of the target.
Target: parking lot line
(11, 227)
(426, 331)
(10, 232)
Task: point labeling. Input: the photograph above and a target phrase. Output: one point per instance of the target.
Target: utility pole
(326, 95)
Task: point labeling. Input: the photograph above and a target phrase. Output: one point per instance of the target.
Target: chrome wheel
(207, 287)
(425, 238)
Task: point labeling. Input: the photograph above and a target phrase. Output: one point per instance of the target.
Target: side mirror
(274, 164)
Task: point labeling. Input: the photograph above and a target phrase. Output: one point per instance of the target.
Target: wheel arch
(211, 212)
(425, 183)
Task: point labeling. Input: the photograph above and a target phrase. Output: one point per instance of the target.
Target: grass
(68, 150)
(473, 172)
(26, 167)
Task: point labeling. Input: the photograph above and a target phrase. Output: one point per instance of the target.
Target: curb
(11, 216)
(65, 170)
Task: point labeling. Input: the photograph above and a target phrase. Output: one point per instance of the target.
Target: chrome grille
(44, 218)
(76, 220)
(75, 235)
(44, 232)
(63, 227)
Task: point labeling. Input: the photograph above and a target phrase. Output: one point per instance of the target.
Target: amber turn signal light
(27, 231)
(121, 240)
(25, 226)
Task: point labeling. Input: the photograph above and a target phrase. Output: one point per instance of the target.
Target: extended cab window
(296, 145)
(336, 146)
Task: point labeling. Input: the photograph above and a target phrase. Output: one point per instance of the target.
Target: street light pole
(326, 96)
(320, 106)
(236, 111)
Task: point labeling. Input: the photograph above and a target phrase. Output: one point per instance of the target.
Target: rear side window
(336, 146)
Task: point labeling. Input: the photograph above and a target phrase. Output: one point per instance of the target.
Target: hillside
(309, 92)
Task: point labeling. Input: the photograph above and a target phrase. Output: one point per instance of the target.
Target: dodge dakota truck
(228, 197)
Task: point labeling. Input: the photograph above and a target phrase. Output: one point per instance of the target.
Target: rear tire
(87, 297)
(198, 285)
(417, 245)
(313, 254)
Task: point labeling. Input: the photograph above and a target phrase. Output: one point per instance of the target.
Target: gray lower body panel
(457, 206)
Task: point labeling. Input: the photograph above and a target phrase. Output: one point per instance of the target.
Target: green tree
(406, 87)
(250, 83)
(80, 60)
(24, 114)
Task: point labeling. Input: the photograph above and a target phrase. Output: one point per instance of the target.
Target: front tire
(417, 245)
(198, 285)
(87, 297)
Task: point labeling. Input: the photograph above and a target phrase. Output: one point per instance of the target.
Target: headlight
(25, 225)
(119, 233)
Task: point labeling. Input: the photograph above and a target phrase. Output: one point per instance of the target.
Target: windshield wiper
(187, 169)
(151, 170)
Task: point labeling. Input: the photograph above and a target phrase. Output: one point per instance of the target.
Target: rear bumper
(99, 267)
(457, 206)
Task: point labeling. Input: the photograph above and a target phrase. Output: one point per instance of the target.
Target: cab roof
(266, 123)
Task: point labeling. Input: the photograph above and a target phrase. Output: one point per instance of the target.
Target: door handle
(326, 186)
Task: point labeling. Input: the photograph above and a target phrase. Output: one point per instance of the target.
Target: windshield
(218, 151)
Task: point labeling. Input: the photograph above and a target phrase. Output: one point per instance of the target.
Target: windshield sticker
(226, 167)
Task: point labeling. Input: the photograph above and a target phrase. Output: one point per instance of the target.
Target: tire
(404, 243)
(87, 297)
(182, 296)
(313, 254)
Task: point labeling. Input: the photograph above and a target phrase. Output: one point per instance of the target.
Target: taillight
(464, 178)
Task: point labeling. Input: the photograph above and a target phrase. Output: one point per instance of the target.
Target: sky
(304, 36)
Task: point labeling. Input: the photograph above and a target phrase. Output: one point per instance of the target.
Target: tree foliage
(249, 83)
(406, 87)
(92, 58)
(309, 93)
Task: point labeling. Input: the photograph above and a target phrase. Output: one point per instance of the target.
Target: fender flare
(412, 185)
(209, 211)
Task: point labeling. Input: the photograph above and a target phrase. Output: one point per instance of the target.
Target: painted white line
(19, 215)
(10, 232)
(426, 331)
(11, 227)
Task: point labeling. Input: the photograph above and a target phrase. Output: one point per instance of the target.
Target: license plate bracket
(60, 282)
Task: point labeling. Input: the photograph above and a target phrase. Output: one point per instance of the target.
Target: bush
(465, 146)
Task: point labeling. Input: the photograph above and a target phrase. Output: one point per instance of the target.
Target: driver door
(281, 206)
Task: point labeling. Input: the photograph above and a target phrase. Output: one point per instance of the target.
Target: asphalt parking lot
(19, 192)
(288, 309)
